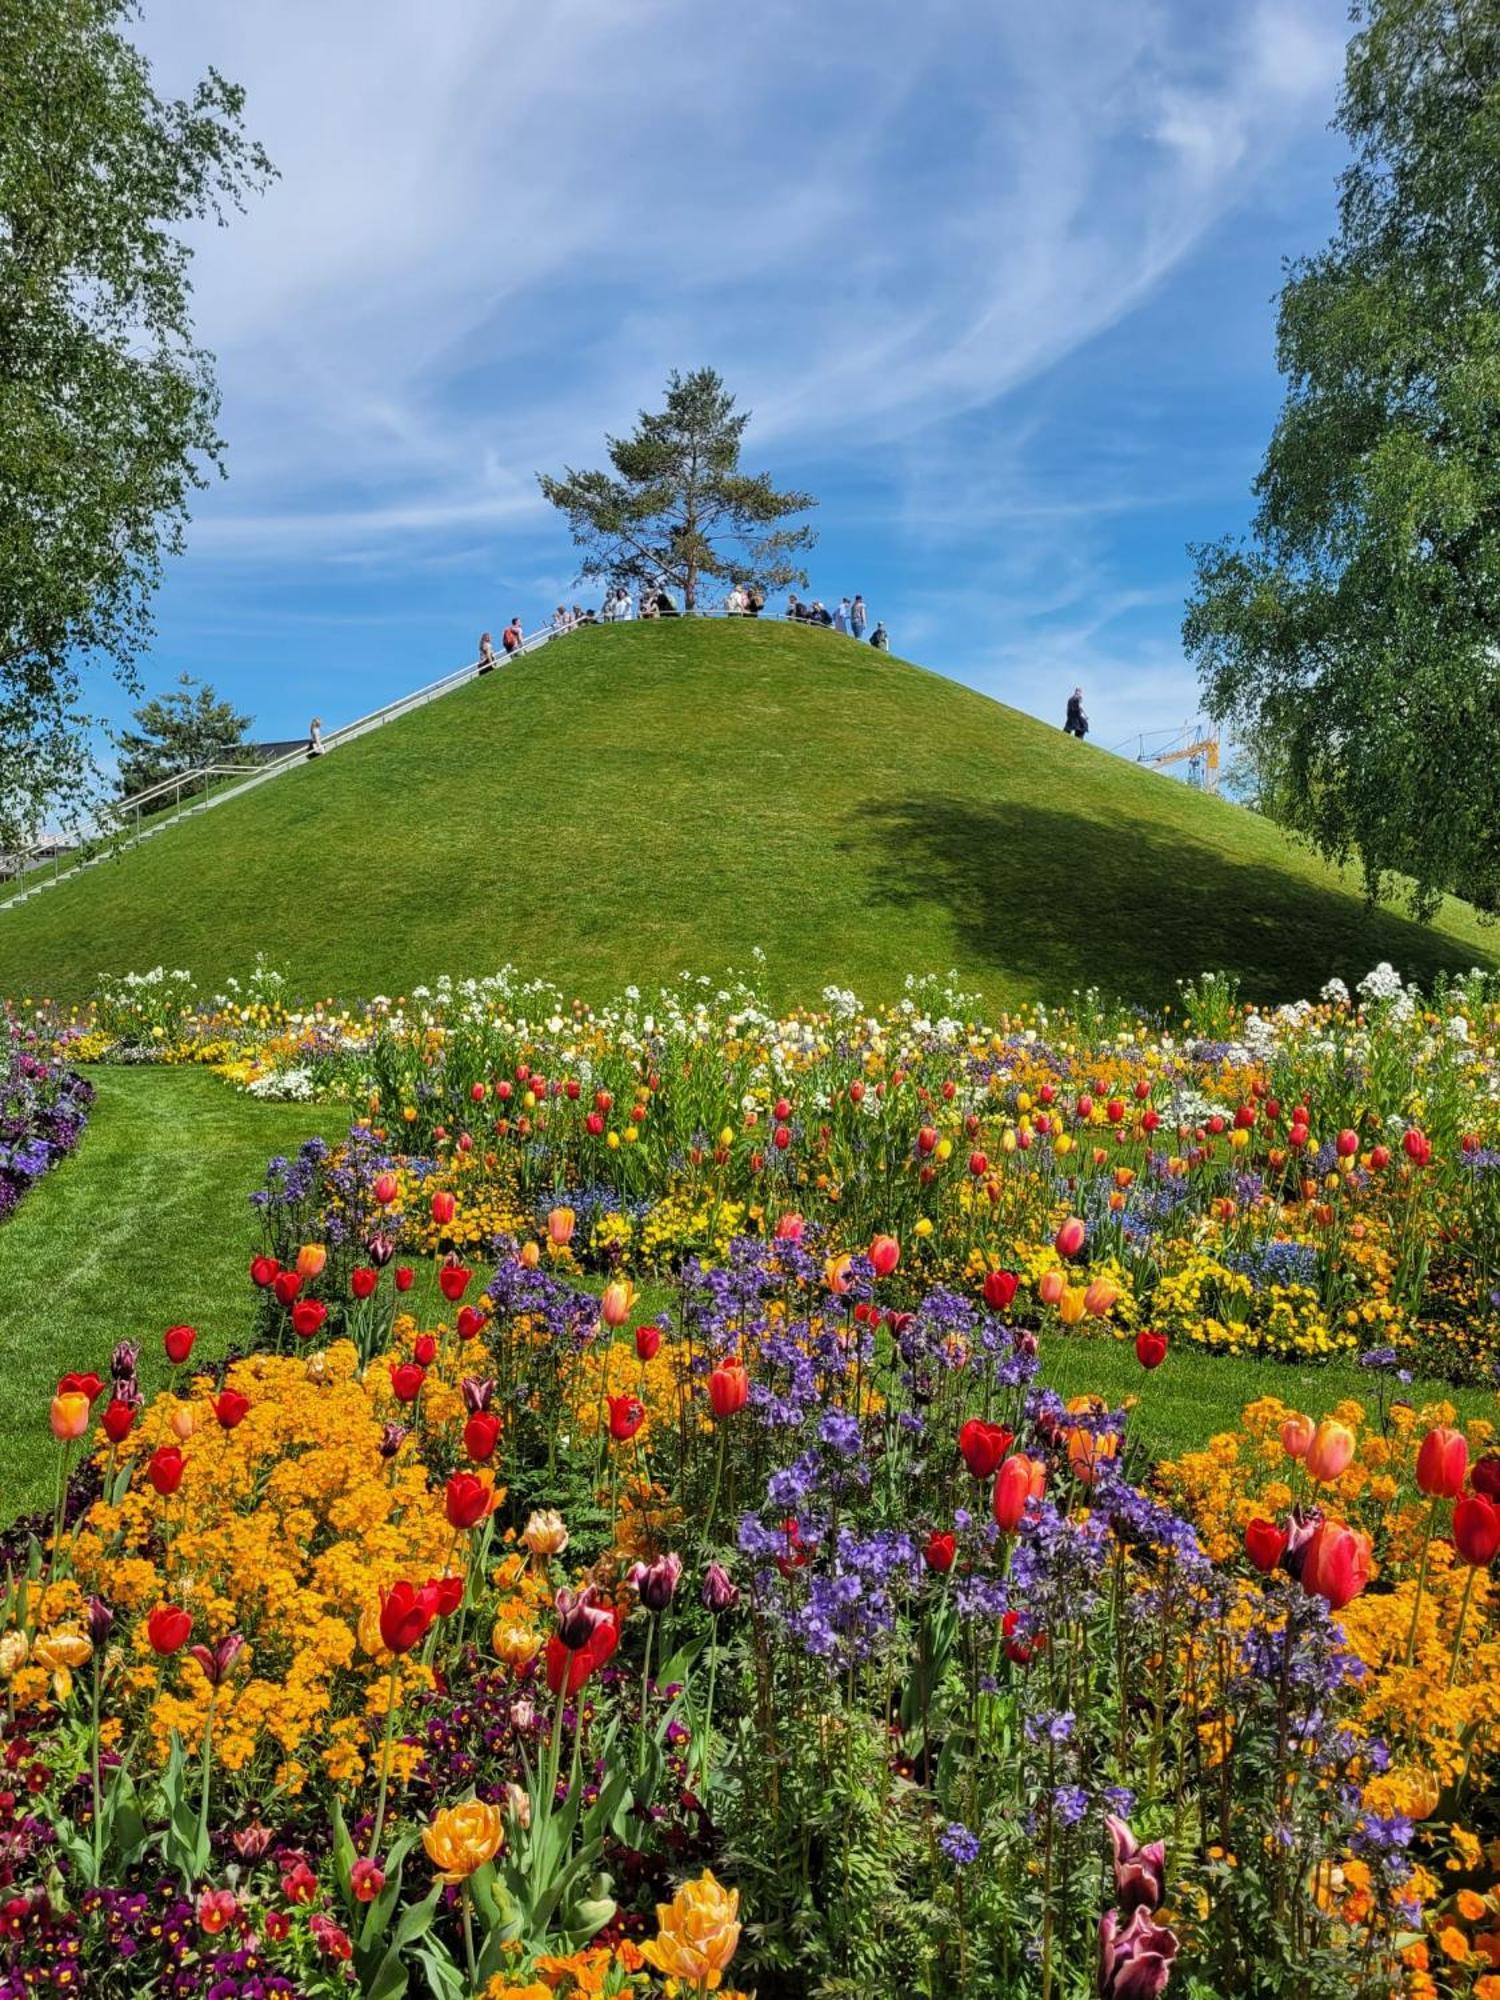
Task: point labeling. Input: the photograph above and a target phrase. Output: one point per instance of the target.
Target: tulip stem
(713, 1504)
(467, 1901)
(1463, 1617)
(645, 1695)
(1411, 1637)
(94, 1773)
(208, 1764)
(385, 1758)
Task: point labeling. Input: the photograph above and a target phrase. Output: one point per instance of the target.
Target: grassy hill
(638, 801)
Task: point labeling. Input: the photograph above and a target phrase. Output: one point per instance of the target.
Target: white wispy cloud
(497, 225)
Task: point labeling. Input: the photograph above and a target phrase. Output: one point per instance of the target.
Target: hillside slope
(638, 801)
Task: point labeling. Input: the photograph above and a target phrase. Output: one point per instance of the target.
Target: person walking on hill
(879, 638)
(857, 617)
(512, 637)
(315, 744)
(1077, 723)
(841, 616)
(486, 653)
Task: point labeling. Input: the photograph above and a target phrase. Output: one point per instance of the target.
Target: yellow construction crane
(1201, 755)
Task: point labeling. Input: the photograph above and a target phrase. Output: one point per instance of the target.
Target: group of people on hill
(848, 616)
(656, 601)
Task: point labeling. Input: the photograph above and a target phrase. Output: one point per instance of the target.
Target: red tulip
(118, 1421)
(999, 1289)
(884, 1254)
(424, 1349)
(263, 1271)
(1265, 1544)
(1476, 1529)
(626, 1415)
(982, 1445)
(443, 1206)
(470, 1322)
(448, 1594)
(362, 1282)
(406, 1614)
(307, 1316)
(404, 1276)
(168, 1629)
(1485, 1478)
(648, 1342)
(164, 1469)
(88, 1385)
(1335, 1564)
(940, 1551)
(1020, 1479)
(407, 1378)
(1442, 1463)
(453, 1281)
(728, 1388)
(1346, 1145)
(481, 1435)
(979, 1165)
(1070, 1238)
(286, 1285)
(1380, 1157)
(466, 1500)
(1150, 1348)
(1417, 1146)
(231, 1408)
(386, 1189)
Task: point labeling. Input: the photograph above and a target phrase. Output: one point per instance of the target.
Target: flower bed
(43, 1111)
(494, 1637)
(1316, 1181)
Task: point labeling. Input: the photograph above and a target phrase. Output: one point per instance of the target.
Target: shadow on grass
(1061, 899)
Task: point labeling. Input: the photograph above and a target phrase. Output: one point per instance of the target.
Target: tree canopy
(1357, 635)
(108, 408)
(676, 507)
(176, 732)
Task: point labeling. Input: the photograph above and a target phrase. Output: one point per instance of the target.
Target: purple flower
(959, 1844)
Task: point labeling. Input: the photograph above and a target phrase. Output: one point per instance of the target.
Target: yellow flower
(460, 1839)
(544, 1533)
(58, 1653)
(13, 1650)
(517, 1645)
(699, 1932)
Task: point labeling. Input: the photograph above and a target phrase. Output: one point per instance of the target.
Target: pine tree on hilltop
(677, 508)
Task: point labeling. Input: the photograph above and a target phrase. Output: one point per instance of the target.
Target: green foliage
(677, 508)
(1355, 637)
(678, 794)
(107, 407)
(177, 732)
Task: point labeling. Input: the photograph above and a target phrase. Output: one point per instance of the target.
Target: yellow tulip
(1072, 1305)
(14, 1648)
(516, 1645)
(944, 1149)
(923, 1227)
(461, 1839)
(544, 1533)
(726, 1137)
(699, 1934)
(1064, 1143)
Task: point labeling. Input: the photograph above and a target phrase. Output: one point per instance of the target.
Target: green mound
(634, 802)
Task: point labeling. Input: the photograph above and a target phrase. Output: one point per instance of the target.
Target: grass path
(147, 1224)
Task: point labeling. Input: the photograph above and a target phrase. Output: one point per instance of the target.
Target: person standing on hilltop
(1077, 723)
(858, 617)
(841, 616)
(315, 744)
(512, 637)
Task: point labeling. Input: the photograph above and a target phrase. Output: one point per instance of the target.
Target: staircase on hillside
(42, 866)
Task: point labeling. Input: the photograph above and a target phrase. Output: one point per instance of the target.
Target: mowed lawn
(149, 1223)
(636, 802)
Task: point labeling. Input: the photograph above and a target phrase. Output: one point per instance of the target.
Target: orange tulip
(310, 1260)
(70, 1416)
(1051, 1286)
(1331, 1449)
(1297, 1435)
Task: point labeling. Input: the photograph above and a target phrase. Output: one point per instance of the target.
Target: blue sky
(996, 281)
